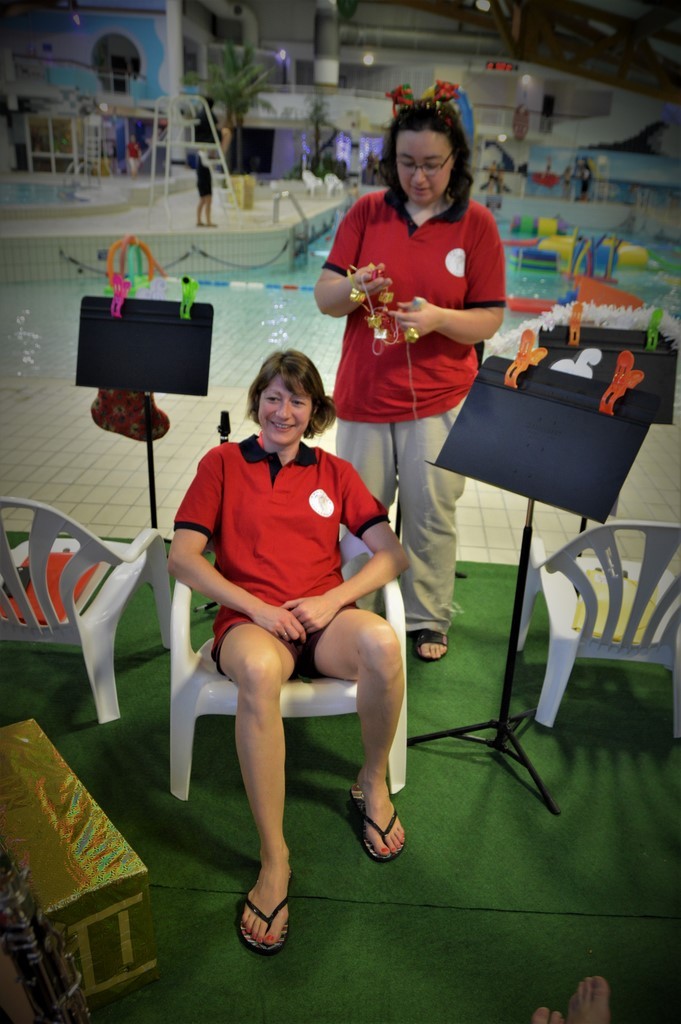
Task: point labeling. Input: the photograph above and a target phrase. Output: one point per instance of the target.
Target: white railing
(285, 194)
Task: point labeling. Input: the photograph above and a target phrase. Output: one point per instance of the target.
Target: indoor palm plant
(238, 84)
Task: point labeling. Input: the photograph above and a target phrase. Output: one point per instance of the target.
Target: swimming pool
(39, 323)
(654, 288)
(30, 194)
(253, 310)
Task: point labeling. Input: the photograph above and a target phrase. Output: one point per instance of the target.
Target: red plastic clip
(575, 324)
(526, 356)
(624, 378)
(121, 287)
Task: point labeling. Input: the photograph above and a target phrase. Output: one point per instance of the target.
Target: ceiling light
(483, 5)
(368, 59)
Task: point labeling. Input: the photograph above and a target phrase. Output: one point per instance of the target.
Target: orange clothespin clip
(121, 287)
(575, 324)
(526, 356)
(624, 378)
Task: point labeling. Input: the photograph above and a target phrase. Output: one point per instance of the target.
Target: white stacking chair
(333, 184)
(197, 688)
(610, 593)
(312, 182)
(66, 586)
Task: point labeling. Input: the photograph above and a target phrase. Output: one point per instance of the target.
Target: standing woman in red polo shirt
(134, 156)
(418, 270)
(272, 508)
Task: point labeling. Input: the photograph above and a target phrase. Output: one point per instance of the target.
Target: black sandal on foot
(429, 636)
(357, 797)
(264, 948)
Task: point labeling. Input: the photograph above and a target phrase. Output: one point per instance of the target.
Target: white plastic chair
(604, 604)
(197, 688)
(333, 184)
(66, 586)
(311, 182)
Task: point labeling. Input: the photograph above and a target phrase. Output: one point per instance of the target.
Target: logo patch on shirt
(321, 503)
(455, 262)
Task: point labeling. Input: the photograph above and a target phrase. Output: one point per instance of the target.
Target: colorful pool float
(544, 226)
(535, 258)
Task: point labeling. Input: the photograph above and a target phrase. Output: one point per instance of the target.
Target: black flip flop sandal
(357, 797)
(264, 948)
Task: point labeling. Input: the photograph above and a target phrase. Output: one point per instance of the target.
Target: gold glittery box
(88, 881)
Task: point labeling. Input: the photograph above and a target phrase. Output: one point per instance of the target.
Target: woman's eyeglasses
(430, 168)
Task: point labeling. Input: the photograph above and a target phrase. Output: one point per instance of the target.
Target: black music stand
(150, 347)
(546, 439)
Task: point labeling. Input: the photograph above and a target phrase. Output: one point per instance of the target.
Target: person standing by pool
(204, 183)
(582, 177)
(418, 271)
(134, 156)
(585, 181)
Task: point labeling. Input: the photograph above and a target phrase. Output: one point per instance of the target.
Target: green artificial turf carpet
(496, 906)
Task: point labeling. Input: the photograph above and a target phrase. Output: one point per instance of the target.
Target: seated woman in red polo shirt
(272, 508)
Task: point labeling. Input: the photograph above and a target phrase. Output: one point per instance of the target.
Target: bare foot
(266, 894)
(591, 1002)
(379, 807)
(589, 1005)
(544, 1016)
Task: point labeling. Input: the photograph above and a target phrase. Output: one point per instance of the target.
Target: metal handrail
(285, 194)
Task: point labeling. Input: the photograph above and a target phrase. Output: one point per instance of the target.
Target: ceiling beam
(504, 26)
(617, 58)
(652, 21)
(578, 38)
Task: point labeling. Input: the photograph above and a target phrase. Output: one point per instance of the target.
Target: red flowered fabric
(123, 413)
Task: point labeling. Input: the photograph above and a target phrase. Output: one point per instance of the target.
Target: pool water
(29, 194)
(653, 287)
(656, 287)
(253, 310)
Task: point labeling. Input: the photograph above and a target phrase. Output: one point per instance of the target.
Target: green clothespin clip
(652, 334)
(189, 289)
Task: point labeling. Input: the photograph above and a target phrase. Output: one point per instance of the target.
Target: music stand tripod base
(504, 735)
(505, 740)
(513, 437)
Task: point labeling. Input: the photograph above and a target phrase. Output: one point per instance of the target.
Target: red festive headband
(444, 92)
